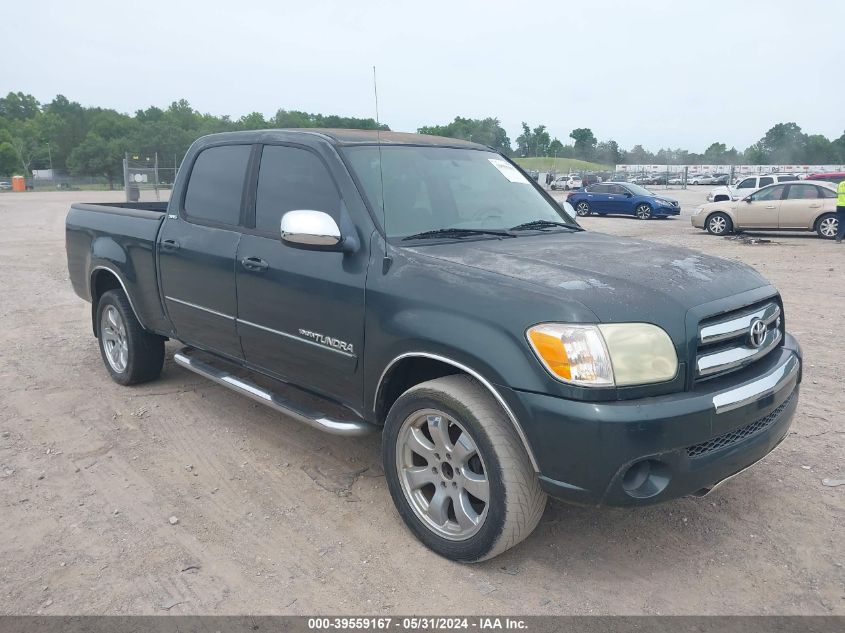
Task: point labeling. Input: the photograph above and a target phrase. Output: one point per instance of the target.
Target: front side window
(802, 192)
(291, 178)
(772, 193)
(436, 188)
(216, 185)
(748, 183)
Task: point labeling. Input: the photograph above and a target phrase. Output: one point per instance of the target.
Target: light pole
(50, 154)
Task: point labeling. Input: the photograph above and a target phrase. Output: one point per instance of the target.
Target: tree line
(92, 141)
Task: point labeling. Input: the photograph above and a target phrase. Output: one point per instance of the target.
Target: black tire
(515, 500)
(826, 226)
(719, 224)
(583, 208)
(144, 352)
(643, 211)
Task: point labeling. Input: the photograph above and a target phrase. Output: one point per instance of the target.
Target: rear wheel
(582, 208)
(457, 471)
(719, 224)
(643, 211)
(130, 353)
(827, 225)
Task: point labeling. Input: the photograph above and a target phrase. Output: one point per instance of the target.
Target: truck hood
(617, 278)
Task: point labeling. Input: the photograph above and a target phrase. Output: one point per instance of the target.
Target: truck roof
(348, 137)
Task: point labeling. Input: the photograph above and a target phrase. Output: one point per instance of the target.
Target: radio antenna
(385, 265)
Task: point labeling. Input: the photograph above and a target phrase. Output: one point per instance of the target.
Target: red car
(833, 176)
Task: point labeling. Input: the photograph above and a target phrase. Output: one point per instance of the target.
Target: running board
(302, 414)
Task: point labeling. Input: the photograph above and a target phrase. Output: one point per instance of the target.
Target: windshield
(434, 188)
(636, 189)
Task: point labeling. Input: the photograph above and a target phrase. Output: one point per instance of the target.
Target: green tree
(17, 106)
(484, 131)
(585, 142)
(818, 150)
(96, 156)
(784, 143)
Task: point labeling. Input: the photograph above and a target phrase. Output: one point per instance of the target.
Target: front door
(197, 251)
(760, 210)
(300, 312)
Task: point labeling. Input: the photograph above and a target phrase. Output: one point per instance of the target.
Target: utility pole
(50, 154)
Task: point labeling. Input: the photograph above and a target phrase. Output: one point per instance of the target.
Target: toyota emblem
(757, 333)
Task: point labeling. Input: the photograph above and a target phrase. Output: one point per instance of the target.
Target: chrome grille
(737, 435)
(725, 342)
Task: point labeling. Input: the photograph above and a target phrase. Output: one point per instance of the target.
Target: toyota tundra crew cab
(426, 289)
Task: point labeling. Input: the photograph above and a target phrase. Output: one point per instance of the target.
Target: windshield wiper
(542, 224)
(457, 233)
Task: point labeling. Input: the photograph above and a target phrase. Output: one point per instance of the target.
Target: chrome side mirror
(308, 228)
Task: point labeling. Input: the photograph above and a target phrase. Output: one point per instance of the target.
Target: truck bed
(119, 238)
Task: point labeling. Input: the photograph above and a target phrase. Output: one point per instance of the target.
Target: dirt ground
(277, 518)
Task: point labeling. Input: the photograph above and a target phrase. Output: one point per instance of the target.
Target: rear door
(597, 197)
(761, 210)
(197, 251)
(800, 207)
(300, 312)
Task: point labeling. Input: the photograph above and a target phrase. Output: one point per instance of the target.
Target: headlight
(605, 355)
(698, 210)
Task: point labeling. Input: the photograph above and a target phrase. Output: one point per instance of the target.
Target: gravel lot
(274, 517)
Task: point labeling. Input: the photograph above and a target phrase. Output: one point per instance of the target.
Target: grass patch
(563, 165)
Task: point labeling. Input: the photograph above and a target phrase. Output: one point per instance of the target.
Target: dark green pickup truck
(424, 288)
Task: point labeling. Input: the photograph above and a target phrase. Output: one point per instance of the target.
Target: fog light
(646, 478)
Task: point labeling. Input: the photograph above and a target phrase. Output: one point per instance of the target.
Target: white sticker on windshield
(508, 171)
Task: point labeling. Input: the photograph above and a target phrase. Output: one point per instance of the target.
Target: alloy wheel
(643, 212)
(442, 474)
(113, 335)
(717, 225)
(582, 209)
(828, 227)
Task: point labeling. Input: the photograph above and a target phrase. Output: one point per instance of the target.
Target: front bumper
(697, 220)
(665, 211)
(645, 451)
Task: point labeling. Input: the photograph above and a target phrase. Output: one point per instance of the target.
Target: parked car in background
(701, 179)
(835, 177)
(721, 179)
(5, 185)
(589, 179)
(658, 179)
(806, 205)
(573, 181)
(747, 185)
(559, 183)
(533, 173)
(622, 198)
(639, 180)
(676, 179)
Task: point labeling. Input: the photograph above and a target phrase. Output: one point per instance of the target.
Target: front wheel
(719, 224)
(130, 353)
(458, 472)
(827, 226)
(582, 208)
(643, 211)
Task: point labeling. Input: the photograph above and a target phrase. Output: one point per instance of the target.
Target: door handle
(771, 206)
(254, 263)
(170, 245)
(815, 206)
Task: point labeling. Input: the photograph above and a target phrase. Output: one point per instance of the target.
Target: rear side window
(766, 181)
(291, 178)
(216, 185)
(802, 192)
(824, 192)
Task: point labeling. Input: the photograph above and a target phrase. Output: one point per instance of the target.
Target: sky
(658, 73)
